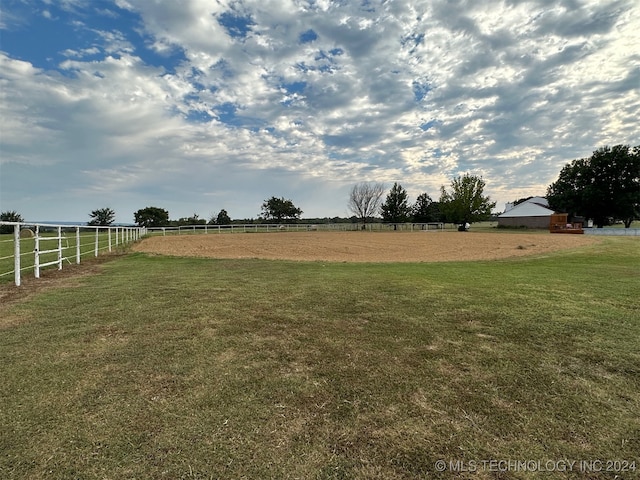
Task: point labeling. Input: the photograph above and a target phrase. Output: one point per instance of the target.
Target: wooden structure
(559, 224)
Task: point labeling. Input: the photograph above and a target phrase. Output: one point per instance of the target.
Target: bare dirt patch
(363, 246)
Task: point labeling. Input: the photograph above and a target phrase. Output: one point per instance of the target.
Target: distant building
(532, 213)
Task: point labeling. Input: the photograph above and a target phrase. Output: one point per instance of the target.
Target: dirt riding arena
(363, 246)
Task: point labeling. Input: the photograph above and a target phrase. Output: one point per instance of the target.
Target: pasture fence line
(34, 246)
(613, 232)
(290, 227)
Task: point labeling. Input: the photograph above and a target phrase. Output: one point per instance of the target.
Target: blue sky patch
(427, 125)
(51, 36)
(420, 90)
(294, 87)
(227, 113)
(41, 41)
(235, 25)
(198, 116)
(308, 36)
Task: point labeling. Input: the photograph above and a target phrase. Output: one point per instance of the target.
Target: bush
(11, 216)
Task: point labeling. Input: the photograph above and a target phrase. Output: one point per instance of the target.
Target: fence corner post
(36, 253)
(78, 245)
(59, 247)
(16, 253)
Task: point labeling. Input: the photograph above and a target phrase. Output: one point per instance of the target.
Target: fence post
(78, 245)
(96, 248)
(109, 236)
(59, 248)
(36, 253)
(16, 253)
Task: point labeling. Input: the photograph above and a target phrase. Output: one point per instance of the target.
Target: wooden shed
(559, 223)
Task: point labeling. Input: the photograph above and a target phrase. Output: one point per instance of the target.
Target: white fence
(34, 246)
(632, 232)
(291, 227)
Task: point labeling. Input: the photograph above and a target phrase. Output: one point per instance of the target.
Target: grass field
(158, 367)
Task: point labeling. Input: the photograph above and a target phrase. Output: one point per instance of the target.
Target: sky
(202, 105)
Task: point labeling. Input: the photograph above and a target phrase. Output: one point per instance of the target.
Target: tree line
(604, 187)
(464, 203)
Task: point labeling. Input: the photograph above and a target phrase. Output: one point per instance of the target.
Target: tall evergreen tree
(425, 210)
(396, 208)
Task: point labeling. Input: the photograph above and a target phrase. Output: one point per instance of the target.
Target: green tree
(395, 208)
(605, 185)
(9, 216)
(222, 218)
(102, 217)
(279, 209)
(151, 217)
(425, 210)
(465, 203)
(364, 200)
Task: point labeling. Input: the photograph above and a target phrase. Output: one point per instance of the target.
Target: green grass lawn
(192, 368)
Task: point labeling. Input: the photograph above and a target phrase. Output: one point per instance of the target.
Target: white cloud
(299, 98)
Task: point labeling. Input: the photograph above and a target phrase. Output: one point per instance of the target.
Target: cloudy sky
(199, 105)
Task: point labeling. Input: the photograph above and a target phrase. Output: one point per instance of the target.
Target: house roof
(527, 209)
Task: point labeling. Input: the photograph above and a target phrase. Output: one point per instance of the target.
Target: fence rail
(34, 246)
(290, 227)
(618, 232)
